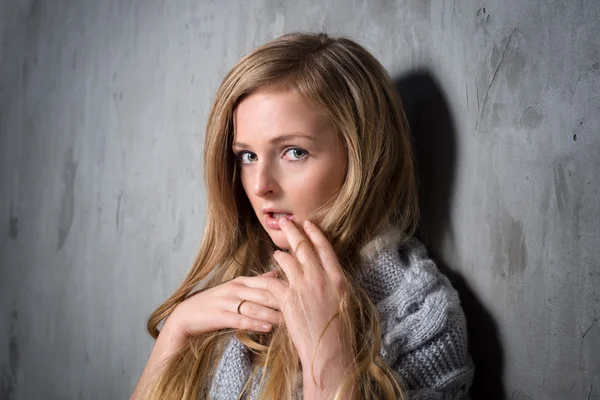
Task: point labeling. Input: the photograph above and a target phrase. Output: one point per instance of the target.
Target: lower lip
(273, 223)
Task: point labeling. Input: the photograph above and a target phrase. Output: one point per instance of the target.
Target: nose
(265, 181)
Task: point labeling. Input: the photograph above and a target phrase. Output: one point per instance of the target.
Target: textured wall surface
(102, 113)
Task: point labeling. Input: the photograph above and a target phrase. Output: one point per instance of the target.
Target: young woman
(311, 284)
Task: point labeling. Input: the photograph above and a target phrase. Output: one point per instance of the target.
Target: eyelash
(239, 156)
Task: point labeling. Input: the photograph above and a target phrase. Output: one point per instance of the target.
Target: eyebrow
(278, 139)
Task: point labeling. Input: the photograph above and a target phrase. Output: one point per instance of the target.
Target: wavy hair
(350, 87)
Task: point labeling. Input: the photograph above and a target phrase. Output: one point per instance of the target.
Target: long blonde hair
(345, 82)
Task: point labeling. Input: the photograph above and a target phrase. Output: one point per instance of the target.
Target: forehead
(267, 114)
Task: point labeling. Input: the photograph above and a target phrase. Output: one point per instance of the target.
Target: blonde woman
(308, 282)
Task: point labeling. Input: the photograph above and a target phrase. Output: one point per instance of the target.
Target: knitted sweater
(423, 327)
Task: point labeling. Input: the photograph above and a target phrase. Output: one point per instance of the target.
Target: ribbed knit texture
(424, 335)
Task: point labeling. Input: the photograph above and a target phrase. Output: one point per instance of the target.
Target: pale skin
(309, 302)
(291, 162)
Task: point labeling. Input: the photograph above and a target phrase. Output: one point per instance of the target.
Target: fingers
(260, 313)
(324, 250)
(290, 266)
(261, 299)
(258, 282)
(244, 322)
(259, 296)
(299, 244)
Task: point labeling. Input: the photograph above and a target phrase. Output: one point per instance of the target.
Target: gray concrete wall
(102, 111)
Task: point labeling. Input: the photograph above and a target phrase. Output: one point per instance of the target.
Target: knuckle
(236, 281)
(265, 299)
(272, 285)
(232, 284)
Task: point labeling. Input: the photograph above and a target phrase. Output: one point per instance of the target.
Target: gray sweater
(423, 327)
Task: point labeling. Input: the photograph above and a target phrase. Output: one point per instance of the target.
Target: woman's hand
(211, 310)
(243, 303)
(310, 304)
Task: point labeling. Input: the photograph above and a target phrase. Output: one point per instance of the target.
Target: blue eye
(296, 154)
(246, 157)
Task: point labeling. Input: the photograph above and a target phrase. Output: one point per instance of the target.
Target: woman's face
(291, 160)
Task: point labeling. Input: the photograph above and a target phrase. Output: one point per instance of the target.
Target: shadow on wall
(435, 146)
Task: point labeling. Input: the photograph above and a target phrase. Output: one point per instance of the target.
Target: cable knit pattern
(424, 336)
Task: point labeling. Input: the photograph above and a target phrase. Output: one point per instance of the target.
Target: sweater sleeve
(439, 367)
(424, 335)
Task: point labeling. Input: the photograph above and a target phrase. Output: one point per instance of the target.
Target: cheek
(319, 187)
(334, 174)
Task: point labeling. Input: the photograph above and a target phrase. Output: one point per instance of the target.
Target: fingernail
(266, 327)
(283, 221)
